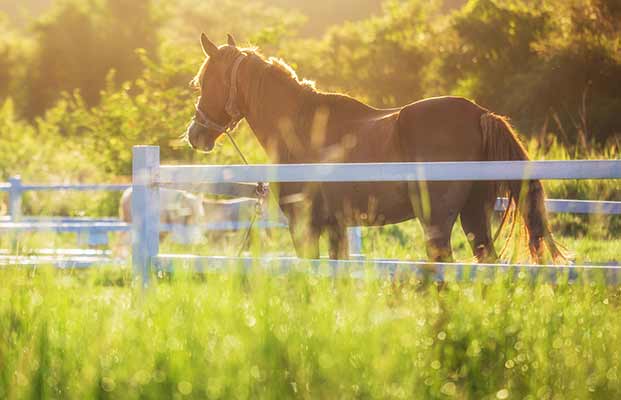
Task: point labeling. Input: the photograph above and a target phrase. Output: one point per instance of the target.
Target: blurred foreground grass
(89, 334)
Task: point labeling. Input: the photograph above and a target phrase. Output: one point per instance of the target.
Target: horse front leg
(304, 232)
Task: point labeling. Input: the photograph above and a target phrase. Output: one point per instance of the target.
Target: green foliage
(384, 59)
(551, 64)
(251, 22)
(41, 154)
(14, 56)
(79, 42)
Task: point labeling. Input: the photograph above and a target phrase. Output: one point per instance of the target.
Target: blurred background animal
(182, 211)
(189, 217)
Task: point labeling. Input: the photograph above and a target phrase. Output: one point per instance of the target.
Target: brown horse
(297, 124)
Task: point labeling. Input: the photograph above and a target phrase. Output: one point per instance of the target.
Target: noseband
(230, 107)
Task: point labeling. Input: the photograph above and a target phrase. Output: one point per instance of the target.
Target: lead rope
(262, 192)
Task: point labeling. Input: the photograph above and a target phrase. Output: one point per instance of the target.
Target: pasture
(73, 334)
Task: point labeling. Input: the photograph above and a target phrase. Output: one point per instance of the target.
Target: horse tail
(525, 198)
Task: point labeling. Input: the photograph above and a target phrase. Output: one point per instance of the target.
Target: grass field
(90, 335)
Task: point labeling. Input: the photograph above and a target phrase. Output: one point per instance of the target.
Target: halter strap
(206, 122)
(231, 107)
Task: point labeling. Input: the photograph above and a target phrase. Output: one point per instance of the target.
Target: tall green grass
(90, 335)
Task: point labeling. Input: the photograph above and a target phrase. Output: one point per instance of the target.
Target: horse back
(441, 129)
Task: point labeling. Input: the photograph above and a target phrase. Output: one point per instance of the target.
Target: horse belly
(369, 204)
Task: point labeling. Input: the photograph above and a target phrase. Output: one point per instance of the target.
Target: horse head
(217, 111)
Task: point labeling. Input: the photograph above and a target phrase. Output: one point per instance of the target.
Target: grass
(89, 335)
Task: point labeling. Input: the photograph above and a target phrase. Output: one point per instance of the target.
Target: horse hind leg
(437, 217)
(438, 242)
(476, 223)
(338, 242)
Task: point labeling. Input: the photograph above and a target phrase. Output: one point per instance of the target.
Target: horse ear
(231, 40)
(209, 48)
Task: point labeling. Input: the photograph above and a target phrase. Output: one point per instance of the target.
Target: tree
(79, 42)
(552, 65)
(384, 59)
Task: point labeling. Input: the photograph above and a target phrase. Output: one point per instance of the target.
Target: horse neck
(272, 107)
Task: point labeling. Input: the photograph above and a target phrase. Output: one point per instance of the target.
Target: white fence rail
(390, 172)
(148, 176)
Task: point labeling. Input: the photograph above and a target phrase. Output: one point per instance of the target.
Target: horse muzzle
(200, 137)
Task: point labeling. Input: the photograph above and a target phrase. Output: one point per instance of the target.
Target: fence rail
(390, 172)
(149, 175)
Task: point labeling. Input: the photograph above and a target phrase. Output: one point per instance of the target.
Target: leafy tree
(552, 64)
(384, 59)
(251, 22)
(80, 41)
(14, 56)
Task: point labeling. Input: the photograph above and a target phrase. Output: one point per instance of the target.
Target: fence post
(15, 198)
(145, 209)
(355, 241)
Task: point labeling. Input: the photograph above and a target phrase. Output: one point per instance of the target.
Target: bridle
(230, 107)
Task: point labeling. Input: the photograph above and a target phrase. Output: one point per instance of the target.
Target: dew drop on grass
(502, 394)
(441, 335)
(436, 364)
(509, 364)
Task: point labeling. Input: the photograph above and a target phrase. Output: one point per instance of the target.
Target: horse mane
(280, 67)
(277, 67)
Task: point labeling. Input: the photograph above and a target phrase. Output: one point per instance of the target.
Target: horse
(189, 215)
(296, 123)
(181, 210)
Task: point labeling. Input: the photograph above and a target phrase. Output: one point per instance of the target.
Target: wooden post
(15, 198)
(145, 210)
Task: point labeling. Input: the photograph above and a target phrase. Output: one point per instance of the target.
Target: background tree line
(94, 77)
